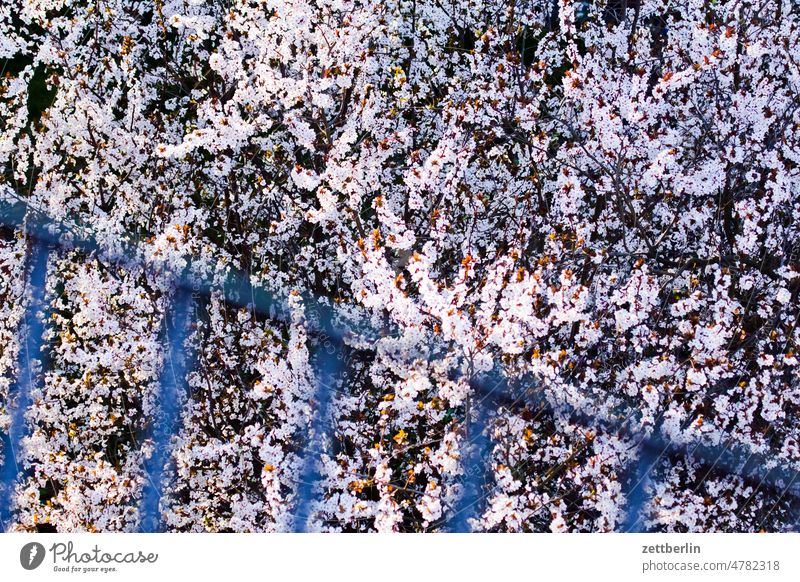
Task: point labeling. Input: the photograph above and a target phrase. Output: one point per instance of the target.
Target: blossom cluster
(596, 202)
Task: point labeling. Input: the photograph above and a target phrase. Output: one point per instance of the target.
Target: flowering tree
(597, 201)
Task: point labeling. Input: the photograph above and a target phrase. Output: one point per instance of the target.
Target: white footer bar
(490, 557)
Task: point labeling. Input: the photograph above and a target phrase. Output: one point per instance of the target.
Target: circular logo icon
(31, 555)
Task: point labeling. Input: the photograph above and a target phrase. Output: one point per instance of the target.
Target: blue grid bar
(173, 392)
(477, 450)
(30, 351)
(636, 494)
(331, 356)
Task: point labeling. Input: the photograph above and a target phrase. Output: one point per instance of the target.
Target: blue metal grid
(488, 392)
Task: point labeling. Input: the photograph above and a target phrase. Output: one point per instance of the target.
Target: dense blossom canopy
(597, 202)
